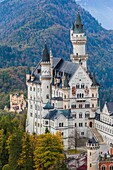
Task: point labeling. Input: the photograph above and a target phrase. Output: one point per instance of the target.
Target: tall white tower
(92, 154)
(45, 77)
(78, 40)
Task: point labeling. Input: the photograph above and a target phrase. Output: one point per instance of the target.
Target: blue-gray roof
(92, 141)
(48, 106)
(55, 113)
(110, 107)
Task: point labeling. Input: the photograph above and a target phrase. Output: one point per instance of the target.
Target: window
(82, 133)
(31, 114)
(90, 165)
(85, 124)
(103, 167)
(93, 105)
(80, 115)
(80, 124)
(30, 88)
(35, 107)
(75, 125)
(87, 105)
(90, 153)
(73, 106)
(60, 124)
(35, 115)
(47, 87)
(82, 86)
(92, 95)
(31, 106)
(65, 106)
(47, 96)
(31, 97)
(87, 115)
(78, 95)
(64, 96)
(35, 123)
(80, 105)
(34, 89)
(77, 86)
(46, 122)
(62, 133)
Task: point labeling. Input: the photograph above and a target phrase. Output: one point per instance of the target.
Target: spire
(78, 24)
(46, 56)
(66, 82)
(95, 83)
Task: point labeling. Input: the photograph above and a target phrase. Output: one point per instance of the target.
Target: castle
(63, 95)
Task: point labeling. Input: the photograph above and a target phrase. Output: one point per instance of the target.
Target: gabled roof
(55, 113)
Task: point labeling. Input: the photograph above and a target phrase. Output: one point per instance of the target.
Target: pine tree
(14, 148)
(26, 160)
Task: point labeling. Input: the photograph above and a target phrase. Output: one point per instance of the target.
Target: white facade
(61, 94)
(104, 123)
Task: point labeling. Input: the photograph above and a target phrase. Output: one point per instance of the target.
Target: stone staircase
(97, 135)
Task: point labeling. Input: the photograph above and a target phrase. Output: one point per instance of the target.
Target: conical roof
(78, 25)
(45, 57)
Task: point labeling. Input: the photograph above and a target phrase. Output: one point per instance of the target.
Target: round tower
(92, 154)
(45, 76)
(78, 40)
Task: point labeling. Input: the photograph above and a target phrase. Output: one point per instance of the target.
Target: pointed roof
(48, 106)
(46, 56)
(28, 71)
(78, 28)
(95, 83)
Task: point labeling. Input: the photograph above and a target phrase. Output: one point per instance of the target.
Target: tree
(14, 148)
(26, 160)
(48, 151)
(1, 146)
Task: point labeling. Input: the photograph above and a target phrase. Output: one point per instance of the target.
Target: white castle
(63, 95)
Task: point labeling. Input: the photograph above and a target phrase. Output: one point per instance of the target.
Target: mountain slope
(25, 25)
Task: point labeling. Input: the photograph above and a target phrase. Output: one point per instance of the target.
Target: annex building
(63, 95)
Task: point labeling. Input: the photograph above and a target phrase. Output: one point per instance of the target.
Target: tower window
(47, 96)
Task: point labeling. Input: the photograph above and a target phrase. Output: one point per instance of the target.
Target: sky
(102, 10)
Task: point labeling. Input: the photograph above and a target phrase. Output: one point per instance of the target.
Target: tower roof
(46, 56)
(78, 28)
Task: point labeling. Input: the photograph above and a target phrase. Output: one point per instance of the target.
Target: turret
(92, 154)
(78, 40)
(45, 76)
(28, 74)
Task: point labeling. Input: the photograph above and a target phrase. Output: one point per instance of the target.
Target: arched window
(47, 96)
(103, 167)
(82, 86)
(80, 115)
(111, 167)
(77, 86)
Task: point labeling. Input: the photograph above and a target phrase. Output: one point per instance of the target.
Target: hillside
(11, 80)
(25, 25)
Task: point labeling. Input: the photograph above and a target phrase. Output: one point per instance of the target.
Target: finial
(51, 54)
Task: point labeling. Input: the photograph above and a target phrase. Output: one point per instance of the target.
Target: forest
(21, 151)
